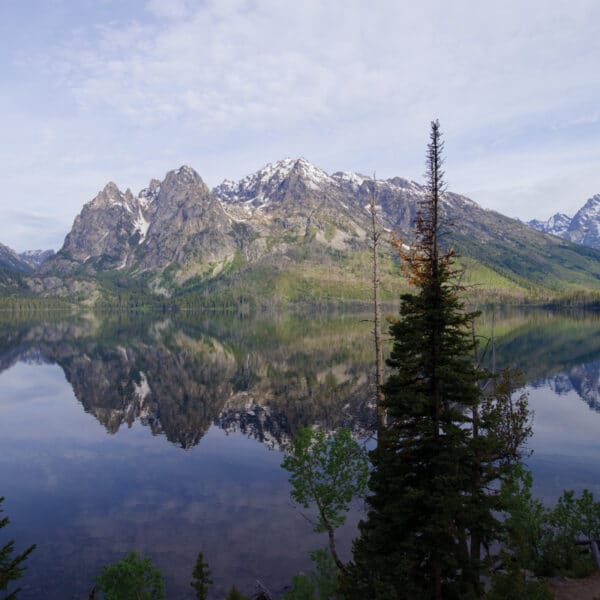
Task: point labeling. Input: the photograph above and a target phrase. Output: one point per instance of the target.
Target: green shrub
(235, 594)
(132, 578)
(513, 585)
(542, 539)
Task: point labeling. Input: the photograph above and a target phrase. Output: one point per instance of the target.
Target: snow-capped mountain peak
(35, 258)
(316, 177)
(583, 228)
(591, 209)
(254, 188)
(354, 179)
(557, 224)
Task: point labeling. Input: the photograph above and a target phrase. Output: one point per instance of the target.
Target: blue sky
(99, 90)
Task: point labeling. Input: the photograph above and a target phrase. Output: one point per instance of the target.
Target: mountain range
(582, 228)
(13, 265)
(11, 261)
(290, 230)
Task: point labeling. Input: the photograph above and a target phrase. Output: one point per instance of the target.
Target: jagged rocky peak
(282, 169)
(585, 226)
(557, 224)
(105, 230)
(590, 210)
(111, 196)
(111, 190)
(184, 224)
(315, 176)
(184, 177)
(150, 193)
(180, 188)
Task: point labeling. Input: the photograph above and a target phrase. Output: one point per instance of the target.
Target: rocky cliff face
(292, 191)
(295, 198)
(173, 222)
(293, 201)
(186, 225)
(105, 233)
(585, 225)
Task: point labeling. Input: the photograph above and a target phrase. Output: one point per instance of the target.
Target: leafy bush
(543, 540)
(525, 522)
(235, 594)
(132, 578)
(513, 585)
(303, 588)
(322, 585)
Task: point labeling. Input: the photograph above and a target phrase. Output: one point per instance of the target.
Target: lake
(165, 435)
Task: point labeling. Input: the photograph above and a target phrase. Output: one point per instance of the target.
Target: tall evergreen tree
(414, 542)
(201, 578)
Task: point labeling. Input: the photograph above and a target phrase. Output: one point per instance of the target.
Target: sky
(125, 90)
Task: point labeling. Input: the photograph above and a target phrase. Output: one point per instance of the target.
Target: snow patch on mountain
(355, 180)
(141, 225)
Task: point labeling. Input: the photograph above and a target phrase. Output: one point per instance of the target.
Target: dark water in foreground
(166, 436)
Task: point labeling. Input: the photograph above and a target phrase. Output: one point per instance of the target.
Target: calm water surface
(166, 436)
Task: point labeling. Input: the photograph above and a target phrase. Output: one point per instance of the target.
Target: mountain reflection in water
(177, 377)
(216, 385)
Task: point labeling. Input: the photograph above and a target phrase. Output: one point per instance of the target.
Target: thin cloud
(127, 91)
(228, 65)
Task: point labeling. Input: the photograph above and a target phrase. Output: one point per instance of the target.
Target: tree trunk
(381, 419)
(437, 581)
(340, 565)
(475, 550)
